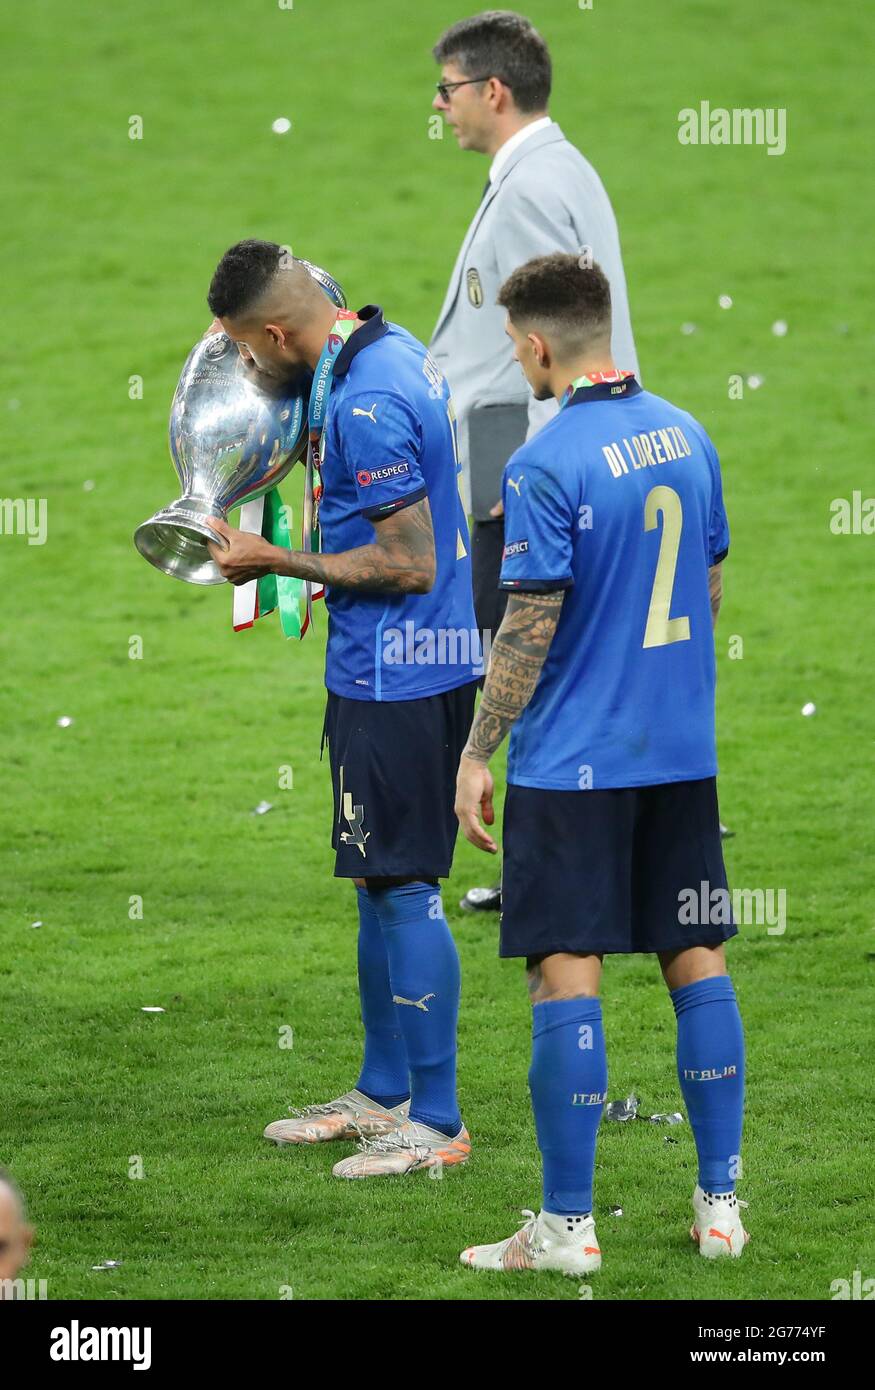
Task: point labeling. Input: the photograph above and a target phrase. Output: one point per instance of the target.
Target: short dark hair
(567, 296)
(242, 276)
(502, 44)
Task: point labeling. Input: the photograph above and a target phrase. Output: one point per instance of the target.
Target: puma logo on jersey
(369, 414)
(414, 1003)
(516, 485)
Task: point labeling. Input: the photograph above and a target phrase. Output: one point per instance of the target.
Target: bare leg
(695, 963)
(564, 976)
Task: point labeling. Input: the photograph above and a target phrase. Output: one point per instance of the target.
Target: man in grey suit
(541, 196)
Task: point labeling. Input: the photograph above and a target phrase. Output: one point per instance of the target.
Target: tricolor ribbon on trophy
(234, 436)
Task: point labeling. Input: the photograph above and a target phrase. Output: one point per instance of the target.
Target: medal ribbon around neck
(267, 516)
(592, 379)
(318, 408)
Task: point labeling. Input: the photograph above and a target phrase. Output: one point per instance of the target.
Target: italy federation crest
(475, 288)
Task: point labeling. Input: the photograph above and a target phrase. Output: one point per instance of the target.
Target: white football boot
(717, 1229)
(408, 1147)
(350, 1117)
(566, 1244)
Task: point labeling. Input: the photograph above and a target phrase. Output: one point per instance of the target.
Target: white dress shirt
(503, 154)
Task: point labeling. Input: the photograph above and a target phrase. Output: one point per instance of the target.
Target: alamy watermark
(718, 907)
(707, 125)
(856, 1288)
(23, 1290)
(442, 646)
(25, 516)
(852, 516)
(78, 1343)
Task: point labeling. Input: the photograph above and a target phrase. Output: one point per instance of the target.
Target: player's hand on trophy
(474, 788)
(246, 556)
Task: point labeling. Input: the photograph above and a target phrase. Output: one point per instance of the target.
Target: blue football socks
(425, 983)
(568, 1079)
(710, 1057)
(384, 1073)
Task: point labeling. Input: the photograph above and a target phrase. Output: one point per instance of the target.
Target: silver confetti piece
(809, 708)
(152, 1009)
(725, 301)
(688, 328)
(622, 1109)
(64, 722)
(108, 1264)
(262, 808)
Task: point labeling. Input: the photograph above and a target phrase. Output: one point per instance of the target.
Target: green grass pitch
(110, 244)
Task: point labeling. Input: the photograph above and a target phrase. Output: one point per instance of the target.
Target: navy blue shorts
(393, 769)
(613, 871)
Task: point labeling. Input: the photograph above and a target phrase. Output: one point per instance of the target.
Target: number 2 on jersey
(661, 629)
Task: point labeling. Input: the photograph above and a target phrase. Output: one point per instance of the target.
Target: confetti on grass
(622, 1109)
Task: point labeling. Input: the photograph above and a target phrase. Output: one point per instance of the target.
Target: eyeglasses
(445, 88)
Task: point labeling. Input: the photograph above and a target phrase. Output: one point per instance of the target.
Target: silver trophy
(234, 434)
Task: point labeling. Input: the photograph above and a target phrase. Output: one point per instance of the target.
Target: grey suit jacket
(547, 197)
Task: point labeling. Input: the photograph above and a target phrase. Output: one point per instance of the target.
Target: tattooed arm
(400, 560)
(518, 655)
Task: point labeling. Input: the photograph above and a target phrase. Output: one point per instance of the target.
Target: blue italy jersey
(390, 441)
(617, 500)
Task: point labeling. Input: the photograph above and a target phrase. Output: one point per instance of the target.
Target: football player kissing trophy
(234, 435)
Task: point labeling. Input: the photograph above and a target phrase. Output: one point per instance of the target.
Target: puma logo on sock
(414, 1003)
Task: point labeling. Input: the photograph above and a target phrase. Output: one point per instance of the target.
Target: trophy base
(175, 540)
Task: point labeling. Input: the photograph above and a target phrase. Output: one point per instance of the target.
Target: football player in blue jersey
(603, 668)
(402, 662)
